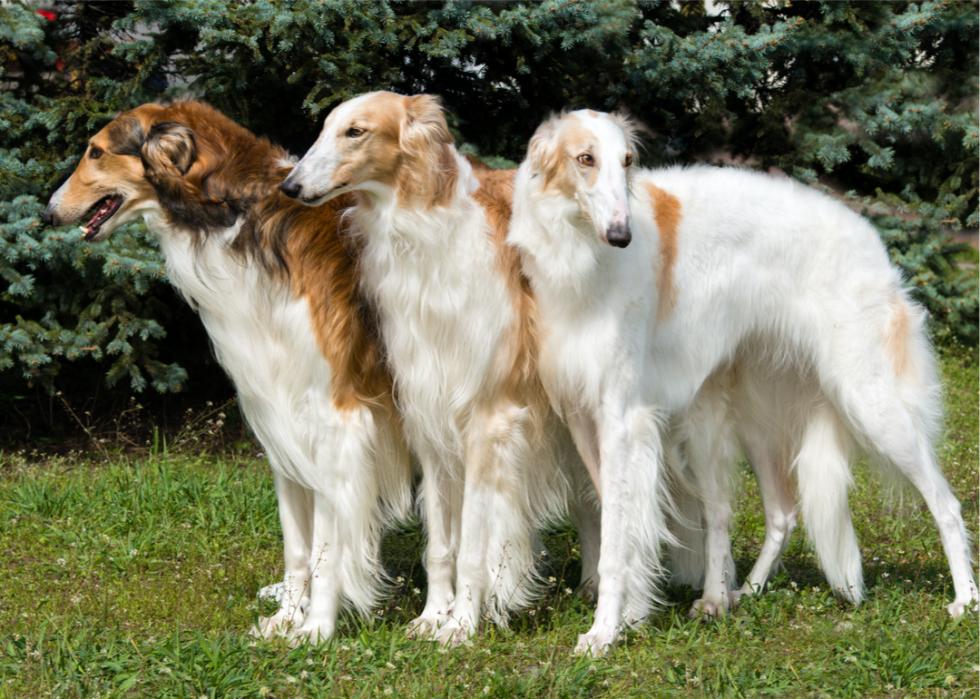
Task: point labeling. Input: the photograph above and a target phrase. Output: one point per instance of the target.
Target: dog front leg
(296, 519)
(342, 502)
(633, 523)
(496, 557)
(320, 621)
(442, 505)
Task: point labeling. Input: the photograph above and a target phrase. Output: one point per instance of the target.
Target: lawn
(137, 574)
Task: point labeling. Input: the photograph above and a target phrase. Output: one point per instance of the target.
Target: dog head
(585, 157)
(379, 143)
(155, 158)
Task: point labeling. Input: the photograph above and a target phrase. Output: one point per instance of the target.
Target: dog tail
(824, 475)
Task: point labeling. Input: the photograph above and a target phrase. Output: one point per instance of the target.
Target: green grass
(137, 576)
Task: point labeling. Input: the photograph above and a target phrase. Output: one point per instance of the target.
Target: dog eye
(354, 132)
(628, 160)
(95, 152)
(586, 159)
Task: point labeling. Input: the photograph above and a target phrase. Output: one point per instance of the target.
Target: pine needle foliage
(874, 101)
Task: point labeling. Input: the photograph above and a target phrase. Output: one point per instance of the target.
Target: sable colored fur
(276, 286)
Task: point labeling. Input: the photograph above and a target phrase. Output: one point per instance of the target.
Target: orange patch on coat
(521, 384)
(667, 214)
(428, 170)
(896, 337)
(557, 163)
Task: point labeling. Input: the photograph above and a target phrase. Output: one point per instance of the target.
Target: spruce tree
(876, 102)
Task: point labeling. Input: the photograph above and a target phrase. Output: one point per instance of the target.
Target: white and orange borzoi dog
(276, 287)
(457, 321)
(778, 298)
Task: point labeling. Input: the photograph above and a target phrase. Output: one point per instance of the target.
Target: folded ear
(429, 173)
(195, 200)
(424, 127)
(543, 153)
(169, 148)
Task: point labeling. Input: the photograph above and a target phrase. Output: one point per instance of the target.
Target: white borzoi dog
(275, 284)
(726, 271)
(457, 321)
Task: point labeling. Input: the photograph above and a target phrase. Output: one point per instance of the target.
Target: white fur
(340, 475)
(489, 460)
(446, 316)
(771, 277)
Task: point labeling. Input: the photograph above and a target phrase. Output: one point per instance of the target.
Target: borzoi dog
(457, 320)
(725, 268)
(275, 284)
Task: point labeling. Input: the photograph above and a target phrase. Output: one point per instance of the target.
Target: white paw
(454, 632)
(312, 631)
(425, 626)
(714, 605)
(957, 609)
(278, 624)
(596, 642)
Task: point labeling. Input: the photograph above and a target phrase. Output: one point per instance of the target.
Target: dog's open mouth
(101, 212)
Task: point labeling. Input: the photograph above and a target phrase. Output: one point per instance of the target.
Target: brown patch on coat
(407, 145)
(428, 170)
(517, 400)
(553, 151)
(206, 172)
(897, 335)
(521, 385)
(376, 156)
(667, 215)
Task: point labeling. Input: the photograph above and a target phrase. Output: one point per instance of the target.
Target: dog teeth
(84, 230)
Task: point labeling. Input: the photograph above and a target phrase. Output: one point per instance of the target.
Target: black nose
(618, 235)
(48, 217)
(290, 189)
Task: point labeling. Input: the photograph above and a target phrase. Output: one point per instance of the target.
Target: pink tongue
(102, 211)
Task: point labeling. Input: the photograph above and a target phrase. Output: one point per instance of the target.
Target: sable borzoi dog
(727, 271)
(457, 320)
(275, 284)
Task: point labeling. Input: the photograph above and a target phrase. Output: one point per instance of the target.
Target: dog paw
(425, 627)
(958, 608)
(715, 606)
(312, 631)
(596, 642)
(278, 624)
(454, 632)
